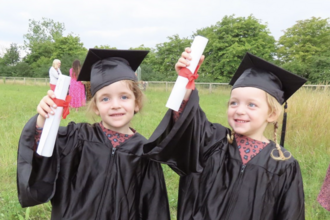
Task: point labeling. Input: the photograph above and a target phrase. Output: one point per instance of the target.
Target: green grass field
(308, 139)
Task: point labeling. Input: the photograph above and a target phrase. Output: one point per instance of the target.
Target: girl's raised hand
(184, 60)
(45, 103)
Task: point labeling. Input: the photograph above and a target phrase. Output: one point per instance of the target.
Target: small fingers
(183, 62)
(44, 108)
(186, 55)
(187, 49)
(49, 101)
(51, 93)
(41, 112)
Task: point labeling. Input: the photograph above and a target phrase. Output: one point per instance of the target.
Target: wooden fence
(146, 85)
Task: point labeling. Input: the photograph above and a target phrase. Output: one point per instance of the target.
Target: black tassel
(284, 125)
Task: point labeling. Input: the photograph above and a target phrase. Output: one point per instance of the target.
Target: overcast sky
(131, 23)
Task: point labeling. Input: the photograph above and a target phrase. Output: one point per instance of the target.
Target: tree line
(303, 49)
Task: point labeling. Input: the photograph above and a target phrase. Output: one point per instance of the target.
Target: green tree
(304, 49)
(167, 55)
(39, 43)
(147, 67)
(320, 68)
(67, 49)
(42, 31)
(150, 56)
(69, 45)
(11, 56)
(43, 49)
(10, 64)
(22, 69)
(45, 42)
(105, 47)
(229, 40)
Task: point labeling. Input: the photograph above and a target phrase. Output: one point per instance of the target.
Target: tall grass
(307, 139)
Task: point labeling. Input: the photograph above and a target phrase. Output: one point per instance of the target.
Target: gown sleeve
(36, 175)
(291, 205)
(184, 145)
(153, 199)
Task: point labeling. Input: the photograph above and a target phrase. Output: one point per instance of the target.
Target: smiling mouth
(117, 115)
(240, 121)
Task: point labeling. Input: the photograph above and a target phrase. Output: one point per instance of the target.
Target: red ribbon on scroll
(184, 72)
(65, 104)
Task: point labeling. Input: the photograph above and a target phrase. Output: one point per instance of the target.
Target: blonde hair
(56, 62)
(133, 86)
(274, 108)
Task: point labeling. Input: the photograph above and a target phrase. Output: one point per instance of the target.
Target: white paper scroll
(49, 132)
(179, 89)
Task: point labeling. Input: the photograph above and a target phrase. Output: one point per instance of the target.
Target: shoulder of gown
(183, 144)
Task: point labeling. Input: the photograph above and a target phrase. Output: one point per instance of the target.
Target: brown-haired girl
(77, 89)
(97, 171)
(236, 173)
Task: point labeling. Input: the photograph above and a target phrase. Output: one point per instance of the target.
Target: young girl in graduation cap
(97, 171)
(236, 173)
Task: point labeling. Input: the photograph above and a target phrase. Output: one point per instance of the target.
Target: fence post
(210, 88)
(4, 80)
(46, 81)
(24, 81)
(166, 86)
(14, 79)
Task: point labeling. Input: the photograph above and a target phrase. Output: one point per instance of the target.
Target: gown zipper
(233, 194)
(110, 165)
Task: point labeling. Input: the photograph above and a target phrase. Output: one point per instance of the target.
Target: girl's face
(248, 112)
(115, 104)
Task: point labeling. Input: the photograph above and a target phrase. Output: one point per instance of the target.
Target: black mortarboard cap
(256, 72)
(103, 67)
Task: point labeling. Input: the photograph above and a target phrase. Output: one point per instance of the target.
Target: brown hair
(133, 86)
(76, 69)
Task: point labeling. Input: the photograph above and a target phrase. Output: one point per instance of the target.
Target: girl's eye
(252, 105)
(105, 99)
(124, 97)
(233, 103)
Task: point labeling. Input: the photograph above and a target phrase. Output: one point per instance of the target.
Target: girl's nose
(240, 110)
(115, 104)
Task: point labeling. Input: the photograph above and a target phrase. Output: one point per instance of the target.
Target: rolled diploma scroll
(52, 123)
(179, 89)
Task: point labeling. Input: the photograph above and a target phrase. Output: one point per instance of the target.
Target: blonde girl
(236, 173)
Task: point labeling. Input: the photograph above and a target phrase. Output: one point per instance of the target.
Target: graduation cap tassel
(284, 125)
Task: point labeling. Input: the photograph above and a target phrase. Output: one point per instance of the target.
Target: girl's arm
(36, 175)
(182, 145)
(183, 62)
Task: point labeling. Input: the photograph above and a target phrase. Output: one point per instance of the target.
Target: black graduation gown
(214, 184)
(86, 178)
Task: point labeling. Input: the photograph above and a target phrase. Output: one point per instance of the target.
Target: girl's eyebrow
(103, 94)
(125, 93)
(249, 99)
